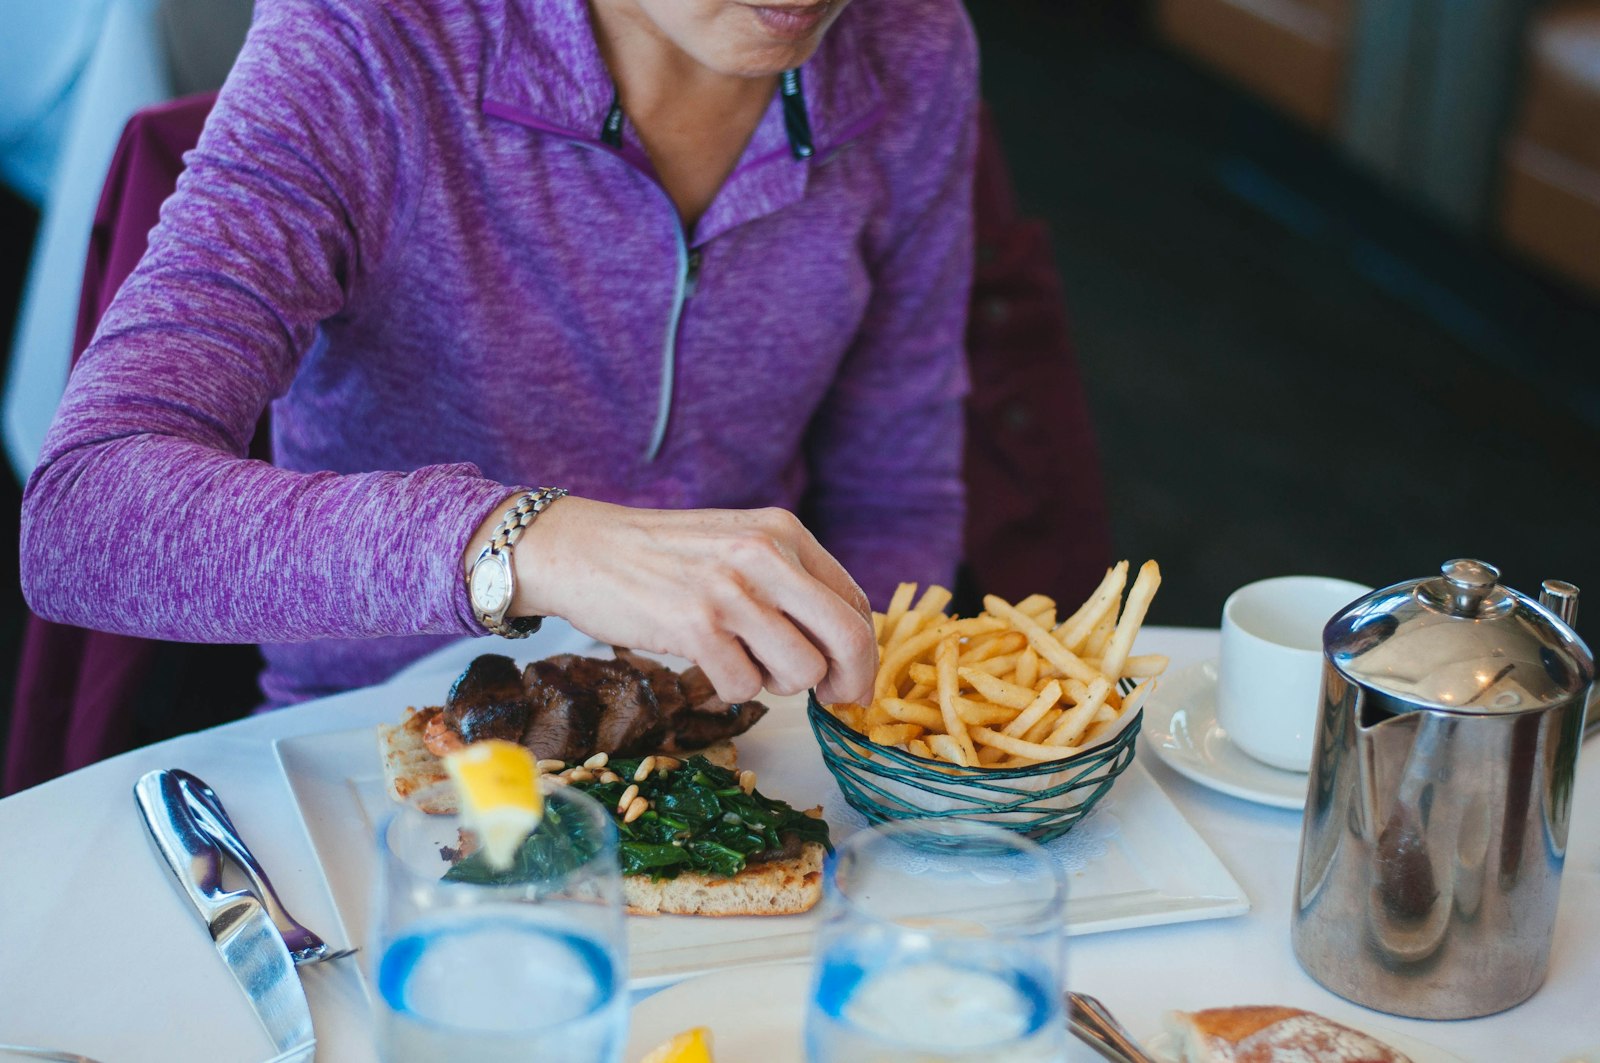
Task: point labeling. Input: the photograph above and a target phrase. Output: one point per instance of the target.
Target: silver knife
(240, 928)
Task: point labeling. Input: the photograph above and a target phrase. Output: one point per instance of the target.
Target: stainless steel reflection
(244, 936)
(1437, 816)
(1092, 1024)
(1561, 598)
(305, 947)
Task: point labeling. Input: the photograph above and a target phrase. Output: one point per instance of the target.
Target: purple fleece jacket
(403, 231)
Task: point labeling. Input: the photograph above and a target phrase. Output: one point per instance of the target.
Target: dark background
(1291, 370)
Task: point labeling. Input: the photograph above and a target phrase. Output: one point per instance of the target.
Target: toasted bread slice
(783, 887)
(409, 766)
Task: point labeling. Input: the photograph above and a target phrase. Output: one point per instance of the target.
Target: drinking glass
(942, 940)
(529, 964)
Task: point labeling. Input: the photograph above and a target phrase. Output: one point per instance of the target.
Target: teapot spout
(1374, 708)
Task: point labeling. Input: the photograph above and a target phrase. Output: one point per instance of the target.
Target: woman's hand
(748, 595)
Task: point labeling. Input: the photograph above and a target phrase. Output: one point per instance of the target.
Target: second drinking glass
(943, 941)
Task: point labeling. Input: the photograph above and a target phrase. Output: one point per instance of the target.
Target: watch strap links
(522, 513)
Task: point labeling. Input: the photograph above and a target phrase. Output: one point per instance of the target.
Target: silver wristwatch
(492, 583)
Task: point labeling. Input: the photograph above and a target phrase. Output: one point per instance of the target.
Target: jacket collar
(545, 72)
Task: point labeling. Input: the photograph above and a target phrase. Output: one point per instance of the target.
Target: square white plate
(1156, 869)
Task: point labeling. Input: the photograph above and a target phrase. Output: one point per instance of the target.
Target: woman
(701, 262)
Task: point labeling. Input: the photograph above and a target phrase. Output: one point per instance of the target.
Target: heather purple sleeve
(887, 497)
(144, 516)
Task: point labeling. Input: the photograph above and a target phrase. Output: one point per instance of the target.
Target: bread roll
(1272, 1035)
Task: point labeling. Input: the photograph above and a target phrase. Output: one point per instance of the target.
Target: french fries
(1011, 686)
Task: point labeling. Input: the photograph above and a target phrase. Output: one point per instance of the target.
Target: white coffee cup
(1270, 674)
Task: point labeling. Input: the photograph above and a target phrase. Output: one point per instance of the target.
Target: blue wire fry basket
(1041, 801)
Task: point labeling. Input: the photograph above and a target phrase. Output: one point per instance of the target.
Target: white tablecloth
(100, 954)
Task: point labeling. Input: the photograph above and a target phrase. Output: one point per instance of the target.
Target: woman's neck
(694, 121)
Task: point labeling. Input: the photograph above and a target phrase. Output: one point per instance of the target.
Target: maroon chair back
(1036, 519)
(77, 690)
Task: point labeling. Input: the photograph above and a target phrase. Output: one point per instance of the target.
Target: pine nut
(668, 763)
(627, 798)
(635, 809)
(646, 766)
(558, 780)
(609, 777)
(597, 761)
(582, 775)
(547, 766)
(747, 780)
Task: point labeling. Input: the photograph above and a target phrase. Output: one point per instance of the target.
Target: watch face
(490, 587)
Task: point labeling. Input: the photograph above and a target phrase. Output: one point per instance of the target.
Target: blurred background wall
(1333, 266)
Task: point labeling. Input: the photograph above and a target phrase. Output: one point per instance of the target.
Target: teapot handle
(1561, 598)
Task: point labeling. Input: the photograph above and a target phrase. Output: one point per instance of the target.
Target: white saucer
(1180, 724)
(755, 1013)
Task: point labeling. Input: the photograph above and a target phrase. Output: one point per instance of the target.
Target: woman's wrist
(480, 538)
(496, 560)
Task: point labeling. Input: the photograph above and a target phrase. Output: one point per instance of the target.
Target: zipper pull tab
(691, 274)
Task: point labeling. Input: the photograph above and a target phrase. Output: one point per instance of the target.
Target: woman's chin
(772, 38)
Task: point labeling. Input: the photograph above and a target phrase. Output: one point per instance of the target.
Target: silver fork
(305, 947)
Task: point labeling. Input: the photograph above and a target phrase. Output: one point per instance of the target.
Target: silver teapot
(1436, 820)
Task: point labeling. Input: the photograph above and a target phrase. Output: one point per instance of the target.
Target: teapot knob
(1470, 582)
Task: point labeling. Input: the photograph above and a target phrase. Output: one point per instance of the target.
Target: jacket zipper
(688, 278)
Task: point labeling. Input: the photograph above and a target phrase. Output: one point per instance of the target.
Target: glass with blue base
(527, 964)
(942, 941)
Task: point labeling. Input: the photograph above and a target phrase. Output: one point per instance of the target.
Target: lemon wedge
(690, 1046)
(498, 783)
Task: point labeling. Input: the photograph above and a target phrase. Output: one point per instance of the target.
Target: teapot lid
(1459, 642)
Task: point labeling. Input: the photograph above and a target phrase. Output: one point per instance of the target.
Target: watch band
(505, 535)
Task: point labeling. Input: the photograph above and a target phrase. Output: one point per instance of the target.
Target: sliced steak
(631, 722)
(564, 716)
(628, 707)
(698, 692)
(664, 682)
(488, 701)
(692, 716)
(569, 707)
(689, 731)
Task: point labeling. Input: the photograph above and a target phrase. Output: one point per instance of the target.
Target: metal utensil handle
(1096, 1045)
(1098, 1028)
(27, 1052)
(188, 850)
(213, 819)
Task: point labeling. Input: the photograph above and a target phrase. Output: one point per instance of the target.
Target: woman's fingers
(832, 575)
(789, 661)
(750, 596)
(814, 611)
(727, 664)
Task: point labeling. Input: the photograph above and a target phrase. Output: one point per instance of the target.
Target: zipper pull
(691, 274)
